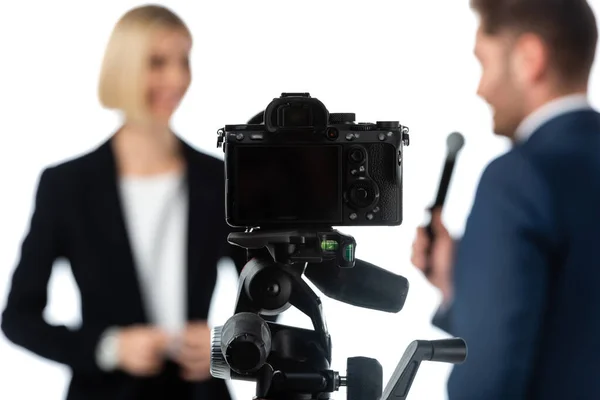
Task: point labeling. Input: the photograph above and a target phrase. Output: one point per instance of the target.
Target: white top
(550, 110)
(156, 210)
(156, 217)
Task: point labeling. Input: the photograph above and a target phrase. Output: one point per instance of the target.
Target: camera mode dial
(342, 118)
(388, 124)
(363, 126)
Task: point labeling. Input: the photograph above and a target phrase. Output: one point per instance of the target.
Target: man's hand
(441, 257)
(194, 352)
(141, 350)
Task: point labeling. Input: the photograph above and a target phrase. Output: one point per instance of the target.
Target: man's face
(498, 85)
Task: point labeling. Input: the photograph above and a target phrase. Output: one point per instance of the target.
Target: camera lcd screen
(287, 184)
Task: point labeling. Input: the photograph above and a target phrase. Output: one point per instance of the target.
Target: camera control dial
(342, 118)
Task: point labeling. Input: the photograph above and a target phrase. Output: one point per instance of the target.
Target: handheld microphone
(364, 285)
(454, 143)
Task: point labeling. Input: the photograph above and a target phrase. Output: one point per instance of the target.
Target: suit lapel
(109, 218)
(197, 228)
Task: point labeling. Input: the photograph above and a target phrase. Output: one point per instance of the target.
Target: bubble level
(349, 253)
(329, 245)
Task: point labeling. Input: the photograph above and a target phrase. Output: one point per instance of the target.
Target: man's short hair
(126, 59)
(568, 27)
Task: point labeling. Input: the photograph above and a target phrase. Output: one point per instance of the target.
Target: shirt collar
(548, 111)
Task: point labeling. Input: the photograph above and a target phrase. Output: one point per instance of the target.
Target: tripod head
(289, 362)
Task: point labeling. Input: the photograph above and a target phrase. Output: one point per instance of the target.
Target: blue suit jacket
(527, 273)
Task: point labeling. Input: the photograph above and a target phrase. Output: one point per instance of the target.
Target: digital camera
(302, 167)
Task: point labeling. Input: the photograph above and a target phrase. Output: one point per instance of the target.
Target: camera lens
(332, 133)
(357, 155)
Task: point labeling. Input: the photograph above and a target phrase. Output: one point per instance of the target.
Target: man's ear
(529, 59)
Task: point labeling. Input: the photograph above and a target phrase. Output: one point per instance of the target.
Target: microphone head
(455, 142)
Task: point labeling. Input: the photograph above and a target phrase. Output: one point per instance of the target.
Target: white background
(407, 60)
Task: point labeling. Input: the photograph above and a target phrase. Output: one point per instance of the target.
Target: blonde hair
(126, 59)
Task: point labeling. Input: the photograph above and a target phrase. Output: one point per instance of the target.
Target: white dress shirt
(155, 210)
(550, 110)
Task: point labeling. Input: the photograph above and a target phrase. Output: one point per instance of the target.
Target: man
(523, 287)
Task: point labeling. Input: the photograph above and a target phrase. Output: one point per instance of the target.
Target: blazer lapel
(109, 217)
(199, 201)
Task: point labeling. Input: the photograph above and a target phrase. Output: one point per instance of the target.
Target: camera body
(303, 167)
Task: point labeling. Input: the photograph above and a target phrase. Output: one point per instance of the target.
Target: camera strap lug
(221, 137)
(405, 136)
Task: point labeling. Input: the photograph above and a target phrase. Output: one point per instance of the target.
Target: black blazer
(78, 216)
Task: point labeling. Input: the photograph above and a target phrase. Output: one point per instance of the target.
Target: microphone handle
(428, 268)
(444, 182)
(438, 204)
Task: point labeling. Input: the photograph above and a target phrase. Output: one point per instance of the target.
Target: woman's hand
(141, 350)
(194, 352)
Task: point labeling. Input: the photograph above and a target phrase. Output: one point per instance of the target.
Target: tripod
(293, 363)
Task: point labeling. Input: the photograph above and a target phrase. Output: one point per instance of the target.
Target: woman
(141, 221)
